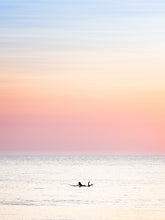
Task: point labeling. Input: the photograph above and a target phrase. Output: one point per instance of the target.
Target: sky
(82, 77)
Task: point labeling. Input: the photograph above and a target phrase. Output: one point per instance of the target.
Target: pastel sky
(82, 76)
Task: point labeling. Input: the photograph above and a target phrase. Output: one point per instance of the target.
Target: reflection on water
(39, 187)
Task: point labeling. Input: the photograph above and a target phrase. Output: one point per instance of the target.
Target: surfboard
(82, 185)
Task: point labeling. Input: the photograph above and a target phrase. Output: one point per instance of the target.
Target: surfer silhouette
(89, 184)
(80, 184)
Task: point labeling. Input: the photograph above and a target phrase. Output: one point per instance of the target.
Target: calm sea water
(125, 187)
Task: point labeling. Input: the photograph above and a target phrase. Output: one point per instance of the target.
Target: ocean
(40, 188)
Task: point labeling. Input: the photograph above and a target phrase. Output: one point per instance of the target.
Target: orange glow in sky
(82, 83)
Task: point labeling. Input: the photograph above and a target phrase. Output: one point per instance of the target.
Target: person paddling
(80, 184)
(89, 184)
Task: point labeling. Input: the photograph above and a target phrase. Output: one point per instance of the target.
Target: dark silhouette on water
(89, 184)
(81, 185)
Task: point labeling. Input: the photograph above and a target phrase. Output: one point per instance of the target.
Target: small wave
(38, 188)
(46, 202)
(19, 203)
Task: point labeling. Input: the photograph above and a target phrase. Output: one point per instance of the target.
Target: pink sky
(83, 113)
(82, 77)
